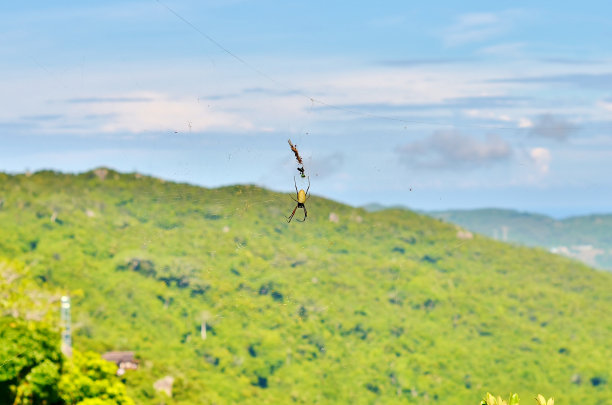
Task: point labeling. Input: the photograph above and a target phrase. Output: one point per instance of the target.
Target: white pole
(66, 332)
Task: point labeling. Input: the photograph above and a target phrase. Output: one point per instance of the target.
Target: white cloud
(478, 27)
(606, 105)
(137, 112)
(164, 113)
(398, 85)
(520, 122)
(541, 158)
(488, 115)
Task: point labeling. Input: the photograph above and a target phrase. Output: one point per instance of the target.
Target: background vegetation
(349, 306)
(587, 238)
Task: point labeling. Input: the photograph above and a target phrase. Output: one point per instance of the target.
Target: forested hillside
(347, 307)
(586, 238)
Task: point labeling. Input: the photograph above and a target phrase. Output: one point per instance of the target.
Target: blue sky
(433, 106)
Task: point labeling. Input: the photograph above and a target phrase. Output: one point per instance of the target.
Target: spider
(302, 196)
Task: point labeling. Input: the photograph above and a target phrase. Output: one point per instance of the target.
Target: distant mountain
(224, 302)
(375, 207)
(587, 238)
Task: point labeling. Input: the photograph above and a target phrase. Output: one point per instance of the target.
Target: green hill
(587, 238)
(347, 307)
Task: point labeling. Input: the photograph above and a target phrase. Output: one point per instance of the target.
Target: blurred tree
(88, 376)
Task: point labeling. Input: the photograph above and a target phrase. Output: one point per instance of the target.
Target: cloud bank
(452, 149)
(552, 127)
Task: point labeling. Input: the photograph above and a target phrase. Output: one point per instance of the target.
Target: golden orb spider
(302, 196)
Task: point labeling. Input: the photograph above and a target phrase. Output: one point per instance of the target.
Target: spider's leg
(308, 195)
(296, 190)
(292, 214)
(305, 214)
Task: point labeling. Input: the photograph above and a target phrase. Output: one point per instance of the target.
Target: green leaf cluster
(32, 368)
(513, 400)
(33, 371)
(88, 379)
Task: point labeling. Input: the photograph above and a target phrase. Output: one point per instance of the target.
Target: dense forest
(214, 289)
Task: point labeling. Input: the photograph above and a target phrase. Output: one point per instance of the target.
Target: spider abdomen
(301, 196)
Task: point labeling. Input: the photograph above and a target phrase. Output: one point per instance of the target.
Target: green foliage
(491, 400)
(20, 297)
(384, 307)
(40, 385)
(513, 400)
(97, 401)
(541, 400)
(32, 368)
(30, 361)
(88, 379)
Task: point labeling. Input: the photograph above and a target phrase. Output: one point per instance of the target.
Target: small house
(123, 360)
